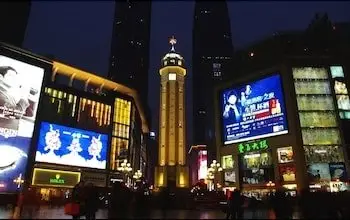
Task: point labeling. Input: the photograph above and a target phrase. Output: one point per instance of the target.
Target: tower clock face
(172, 76)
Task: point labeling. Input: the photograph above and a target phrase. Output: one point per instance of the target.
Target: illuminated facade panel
(323, 154)
(120, 132)
(93, 114)
(59, 105)
(318, 120)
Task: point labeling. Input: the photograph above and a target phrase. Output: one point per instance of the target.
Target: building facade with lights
(281, 127)
(75, 126)
(211, 64)
(172, 170)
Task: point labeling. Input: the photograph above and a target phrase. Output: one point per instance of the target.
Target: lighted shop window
(344, 114)
(340, 88)
(337, 71)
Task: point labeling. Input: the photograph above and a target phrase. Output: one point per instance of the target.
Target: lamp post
(270, 184)
(212, 170)
(137, 176)
(125, 167)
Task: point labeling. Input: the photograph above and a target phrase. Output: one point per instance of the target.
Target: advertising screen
(70, 146)
(20, 87)
(318, 172)
(254, 110)
(337, 171)
(202, 164)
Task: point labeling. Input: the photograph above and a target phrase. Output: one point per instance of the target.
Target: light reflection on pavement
(58, 213)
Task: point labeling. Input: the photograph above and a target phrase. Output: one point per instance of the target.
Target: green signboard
(252, 146)
(55, 178)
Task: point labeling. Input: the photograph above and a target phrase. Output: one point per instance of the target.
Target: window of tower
(179, 62)
(172, 61)
(165, 63)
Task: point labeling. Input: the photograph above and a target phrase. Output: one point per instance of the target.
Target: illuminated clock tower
(172, 170)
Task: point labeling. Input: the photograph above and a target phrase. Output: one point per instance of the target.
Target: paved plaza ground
(58, 213)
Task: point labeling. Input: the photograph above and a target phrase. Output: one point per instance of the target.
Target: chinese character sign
(254, 110)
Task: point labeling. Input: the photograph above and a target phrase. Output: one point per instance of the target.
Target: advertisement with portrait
(318, 172)
(257, 168)
(337, 172)
(202, 164)
(254, 110)
(285, 154)
(20, 88)
(59, 144)
(287, 172)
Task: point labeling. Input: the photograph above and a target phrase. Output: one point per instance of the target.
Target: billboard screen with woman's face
(20, 87)
(254, 110)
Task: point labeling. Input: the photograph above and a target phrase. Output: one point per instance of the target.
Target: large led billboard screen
(20, 87)
(254, 110)
(71, 146)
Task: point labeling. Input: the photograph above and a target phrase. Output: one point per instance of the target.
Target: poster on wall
(71, 146)
(287, 172)
(20, 87)
(285, 154)
(227, 162)
(318, 172)
(254, 110)
(230, 176)
(337, 171)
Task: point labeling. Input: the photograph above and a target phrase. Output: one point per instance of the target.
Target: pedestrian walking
(91, 201)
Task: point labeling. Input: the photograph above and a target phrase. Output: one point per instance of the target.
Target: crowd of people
(309, 205)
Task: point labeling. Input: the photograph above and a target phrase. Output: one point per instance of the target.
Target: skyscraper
(172, 170)
(13, 21)
(212, 62)
(129, 59)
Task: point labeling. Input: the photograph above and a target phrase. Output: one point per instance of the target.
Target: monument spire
(172, 41)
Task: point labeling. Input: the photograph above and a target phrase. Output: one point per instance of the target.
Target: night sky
(79, 33)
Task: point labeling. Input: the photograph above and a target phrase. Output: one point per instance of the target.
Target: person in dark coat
(78, 196)
(120, 201)
(91, 201)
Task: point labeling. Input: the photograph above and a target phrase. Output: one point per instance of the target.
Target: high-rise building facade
(212, 61)
(13, 21)
(129, 59)
(172, 170)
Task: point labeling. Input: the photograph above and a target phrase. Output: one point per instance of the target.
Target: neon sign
(57, 180)
(252, 146)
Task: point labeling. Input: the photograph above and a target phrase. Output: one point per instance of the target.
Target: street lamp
(270, 184)
(137, 175)
(125, 168)
(212, 170)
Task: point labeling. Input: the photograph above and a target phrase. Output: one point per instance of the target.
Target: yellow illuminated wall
(121, 131)
(94, 112)
(61, 100)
